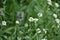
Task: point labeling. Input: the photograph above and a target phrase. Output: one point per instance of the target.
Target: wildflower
(45, 31)
(56, 4)
(17, 22)
(4, 23)
(49, 2)
(31, 19)
(39, 14)
(57, 21)
(54, 15)
(38, 30)
(26, 24)
(35, 19)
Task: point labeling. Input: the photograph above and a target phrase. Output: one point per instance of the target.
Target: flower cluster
(31, 19)
(56, 19)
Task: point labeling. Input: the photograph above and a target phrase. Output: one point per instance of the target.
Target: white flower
(57, 21)
(55, 15)
(56, 4)
(39, 14)
(26, 24)
(31, 19)
(38, 30)
(17, 22)
(44, 39)
(4, 23)
(35, 19)
(45, 31)
(49, 2)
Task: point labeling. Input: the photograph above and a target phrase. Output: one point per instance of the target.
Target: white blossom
(31, 19)
(35, 19)
(49, 2)
(55, 15)
(57, 21)
(26, 24)
(4, 23)
(38, 30)
(40, 14)
(45, 31)
(17, 22)
(56, 4)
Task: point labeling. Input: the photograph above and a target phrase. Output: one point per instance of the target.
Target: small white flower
(57, 21)
(31, 19)
(49, 2)
(17, 22)
(40, 14)
(55, 15)
(44, 39)
(35, 19)
(26, 24)
(45, 31)
(56, 4)
(4, 23)
(38, 30)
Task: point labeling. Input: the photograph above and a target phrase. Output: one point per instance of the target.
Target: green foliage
(29, 20)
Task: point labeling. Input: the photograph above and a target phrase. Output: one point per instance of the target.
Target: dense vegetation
(29, 19)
